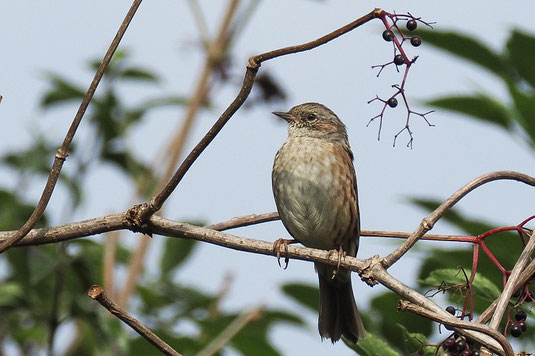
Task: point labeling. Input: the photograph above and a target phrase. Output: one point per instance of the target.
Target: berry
(467, 352)
(411, 25)
(451, 309)
(520, 315)
(416, 41)
(392, 102)
(516, 331)
(523, 325)
(460, 345)
(398, 60)
(388, 35)
(449, 344)
(475, 353)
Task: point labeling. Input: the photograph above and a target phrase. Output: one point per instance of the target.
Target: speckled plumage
(315, 189)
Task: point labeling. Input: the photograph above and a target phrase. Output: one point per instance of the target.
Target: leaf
(480, 106)
(62, 91)
(304, 294)
(384, 308)
(524, 105)
(521, 47)
(372, 345)
(139, 74)
(176, 252)
(481, 285)
(466, 47)
(9, 293)
(416, 343)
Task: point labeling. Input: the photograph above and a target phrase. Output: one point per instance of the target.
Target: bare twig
(429, 221)
(97, 293)
(63, 151)
(231, 330)
(459, 325)
(252, 68)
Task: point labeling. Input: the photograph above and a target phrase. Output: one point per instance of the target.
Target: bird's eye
(311, 117)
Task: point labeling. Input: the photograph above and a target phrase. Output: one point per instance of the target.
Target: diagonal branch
(97, 293)
(63, 151)
(250, 74)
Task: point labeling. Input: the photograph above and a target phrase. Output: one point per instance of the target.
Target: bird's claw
(277, 248)
(341, 255)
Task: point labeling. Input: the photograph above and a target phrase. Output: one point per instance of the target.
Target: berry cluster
(459, 345)
(520, 325)
(393, 26)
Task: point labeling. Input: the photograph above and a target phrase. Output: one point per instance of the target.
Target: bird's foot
(341, 255)
(277, 248)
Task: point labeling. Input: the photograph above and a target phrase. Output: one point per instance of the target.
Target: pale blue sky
(232, 177)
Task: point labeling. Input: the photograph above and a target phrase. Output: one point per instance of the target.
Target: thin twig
(231, 330)
(429, 221)
(459, 325)
(250, 74)
(63, 151)
(97, 293)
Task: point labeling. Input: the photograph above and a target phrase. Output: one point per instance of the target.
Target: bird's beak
(284, 115)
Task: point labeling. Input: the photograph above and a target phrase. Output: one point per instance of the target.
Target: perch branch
(63, 151)
(97, 293)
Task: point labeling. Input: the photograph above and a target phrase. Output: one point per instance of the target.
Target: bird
(315, 189)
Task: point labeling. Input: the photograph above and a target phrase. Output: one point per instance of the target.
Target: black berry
(398, 59)
(416, 41)
(449, 344)
(388, 35)
(516, 331)
(523, 325)
(392, 102)
(520, 315)
(475, 353)
(451, 309)
(411, 25)
(460, 345)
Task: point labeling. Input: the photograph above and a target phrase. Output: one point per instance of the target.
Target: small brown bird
(315, 189)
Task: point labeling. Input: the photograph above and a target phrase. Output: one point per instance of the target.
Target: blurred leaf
(481, 107)
(416, 344)
(62, 91)
(14, 212)
(9, 292)
(140, 74)
(35, 159)
(466, 47)
(372, 345)
(304, 294)
(176, 252)
(521, 47)
(524, 105)
(384, 307)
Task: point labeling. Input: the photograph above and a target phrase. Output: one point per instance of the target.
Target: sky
(233, 176)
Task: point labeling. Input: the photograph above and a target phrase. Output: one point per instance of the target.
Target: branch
(250, 74)
(63, 151)
(459, 325)
(97, 293)
(429, 221)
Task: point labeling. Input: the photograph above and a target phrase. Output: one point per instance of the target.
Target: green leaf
(305, 294)
(9, 292)
(62, 91)
(176, 252)
(372, 345)
(524, 105)
(480, 106)
(521, 47)
(139, 74)
(416, 343)
(466, 47)
(452, 276)
(384, 308)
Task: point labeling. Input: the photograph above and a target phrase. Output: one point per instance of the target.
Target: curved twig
(63, 151)
(429, 221)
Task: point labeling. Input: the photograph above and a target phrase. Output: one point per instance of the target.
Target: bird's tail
(338, 312)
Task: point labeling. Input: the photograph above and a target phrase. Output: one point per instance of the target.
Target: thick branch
(428, 222)
(63, 151)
